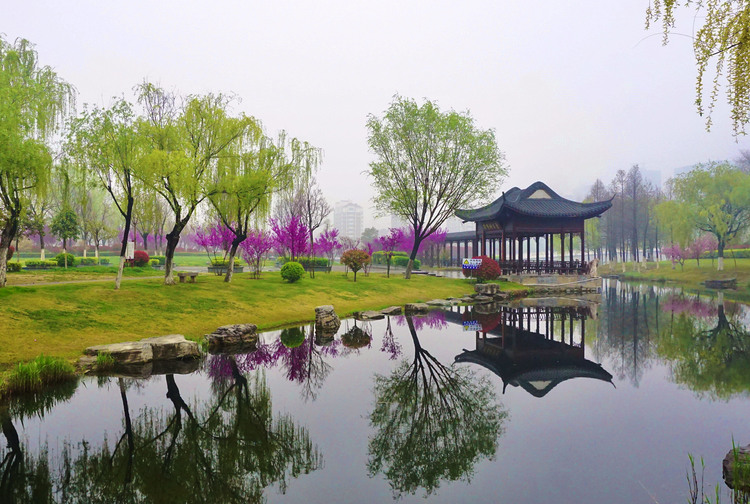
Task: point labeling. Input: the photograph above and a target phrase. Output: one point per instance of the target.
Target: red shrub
(140, 258)
(488, 270)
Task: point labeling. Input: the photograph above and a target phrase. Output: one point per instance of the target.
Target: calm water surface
(554, 401)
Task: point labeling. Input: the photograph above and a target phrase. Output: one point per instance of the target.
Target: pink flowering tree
(290, 238)
(328, 244)
(702, 244)
(254, 249)
(676, 254)
(215, 239)
(389, 244)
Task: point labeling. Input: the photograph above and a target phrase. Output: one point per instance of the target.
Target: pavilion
(506, 228)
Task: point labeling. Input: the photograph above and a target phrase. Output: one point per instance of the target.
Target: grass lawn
(691, 276)
(62, 320)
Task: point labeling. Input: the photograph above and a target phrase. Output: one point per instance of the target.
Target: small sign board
(471, 263)
(472, 325)
(130, 250)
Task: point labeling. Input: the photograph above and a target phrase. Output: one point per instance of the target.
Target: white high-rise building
(348, 218)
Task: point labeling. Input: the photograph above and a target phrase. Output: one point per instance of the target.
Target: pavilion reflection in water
(534, 347)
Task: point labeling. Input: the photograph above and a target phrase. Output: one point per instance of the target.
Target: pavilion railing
(533, 267)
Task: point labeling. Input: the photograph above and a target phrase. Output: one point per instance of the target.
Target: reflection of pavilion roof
(537, 200)
(528, 359)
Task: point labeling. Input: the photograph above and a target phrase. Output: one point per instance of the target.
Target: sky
(573, 90)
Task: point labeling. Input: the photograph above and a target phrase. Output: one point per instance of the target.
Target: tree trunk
(388, 268)
(173, 238)
(412, 256)
(65, 252)
(720, 263)
(41, 245)
(124, 246)
(232, 252)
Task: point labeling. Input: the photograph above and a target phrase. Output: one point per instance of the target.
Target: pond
(553, 400)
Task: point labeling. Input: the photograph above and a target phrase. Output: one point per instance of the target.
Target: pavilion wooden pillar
(562, 252)
(484, 243)
(450, 253)
(519, 264)
(571, 248)
(528, 252)
(583, 247)
(537, 256)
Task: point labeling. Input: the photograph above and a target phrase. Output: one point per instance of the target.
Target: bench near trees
(186, 274)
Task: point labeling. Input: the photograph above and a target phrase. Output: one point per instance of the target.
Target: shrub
(318, 262)
(60, 259)
(488, 270)
(104, 361)
(140, 258)
(104, 261)
(88, 261)
(292, 271)
(355, 259)
(403, 261)
(153, 263)
(14, 267)
(223, 263)
(37, 264)
(11, 249)
(162, 260)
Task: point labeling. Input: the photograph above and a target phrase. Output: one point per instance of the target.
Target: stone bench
(184, 274)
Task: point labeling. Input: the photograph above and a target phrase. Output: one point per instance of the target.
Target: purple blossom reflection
(434, 319)
(692, 306)
(390, 345)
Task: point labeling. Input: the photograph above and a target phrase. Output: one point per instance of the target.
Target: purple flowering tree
(290, 239)
(389, 244)
(328, 244)
(214, 239)
(254, 249)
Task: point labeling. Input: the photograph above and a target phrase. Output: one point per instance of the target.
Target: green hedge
(37, 264)
(161, 260)
(14, 267)
(728, 254)
(379, 257)
(153, 262)
(305, 261)
(223, 263)
(91, 261)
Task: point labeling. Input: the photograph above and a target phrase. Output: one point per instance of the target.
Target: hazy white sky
(573, 90)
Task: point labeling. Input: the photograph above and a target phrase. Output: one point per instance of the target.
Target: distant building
(348, 218)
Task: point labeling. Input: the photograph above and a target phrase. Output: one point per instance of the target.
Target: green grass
(34, 376)
(62, 320)
(690, 276)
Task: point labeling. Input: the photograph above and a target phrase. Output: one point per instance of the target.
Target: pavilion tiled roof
(522, 201)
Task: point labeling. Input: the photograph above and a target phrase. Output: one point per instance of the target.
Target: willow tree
(33, 103)
(720, 40)
(107, 142)
(185, 148)
(244, 184)
(716, 200)
(429, 164)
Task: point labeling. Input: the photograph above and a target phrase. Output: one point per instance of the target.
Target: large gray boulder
(486, 289)
(130, 352)
(736, 468)
(326, 320)
(369, 315)
(232, 336)
(442, 303)
(133, 353)
(172, 347)
(416, 308)
(392, 310)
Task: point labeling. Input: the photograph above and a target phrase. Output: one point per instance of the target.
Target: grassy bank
(690, 276)
(62, 320)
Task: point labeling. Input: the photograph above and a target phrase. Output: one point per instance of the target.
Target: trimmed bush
(91, 261)
(60, 259)
(14, 267)
(37, 264)
(728, 254)
(223, 263)
(153, 263)
(162, 260)
(403, 261)
(318, 262)
(292, 271)
(140, 258)
(488, 270)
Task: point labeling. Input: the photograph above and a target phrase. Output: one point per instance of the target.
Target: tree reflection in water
(432, 422)
(227, 449)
